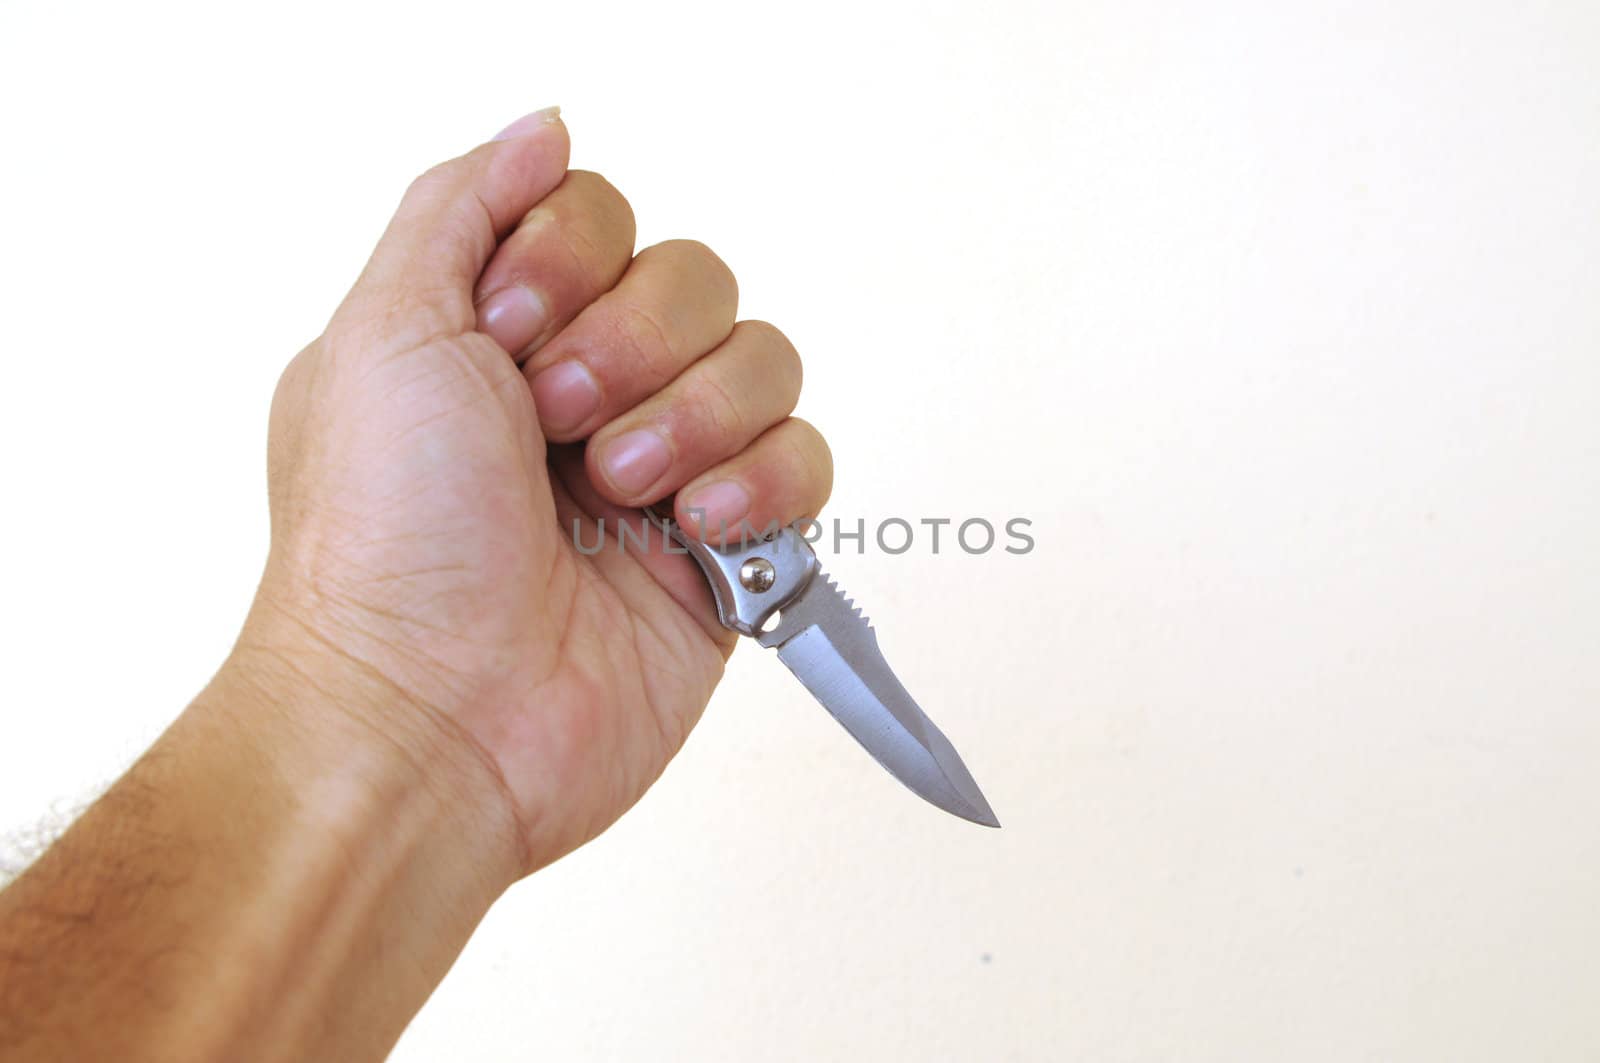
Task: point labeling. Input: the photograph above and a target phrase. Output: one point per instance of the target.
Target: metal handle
(750, 580)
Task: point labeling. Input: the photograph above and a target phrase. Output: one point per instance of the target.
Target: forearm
(273, 879)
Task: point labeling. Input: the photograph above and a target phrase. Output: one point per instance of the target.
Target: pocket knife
(774, 591)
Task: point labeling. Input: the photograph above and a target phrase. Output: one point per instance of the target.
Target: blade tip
(980, 813)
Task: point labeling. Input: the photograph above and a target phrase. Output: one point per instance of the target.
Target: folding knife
(832, 648)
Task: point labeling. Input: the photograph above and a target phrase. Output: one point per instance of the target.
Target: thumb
(420, 278)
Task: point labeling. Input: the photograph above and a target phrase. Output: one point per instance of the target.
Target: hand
(424, 489)
(435, 692)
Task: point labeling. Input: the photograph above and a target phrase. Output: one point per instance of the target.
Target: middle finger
(676, 302)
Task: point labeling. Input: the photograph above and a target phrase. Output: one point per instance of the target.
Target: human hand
(434, 692)
(424, 488)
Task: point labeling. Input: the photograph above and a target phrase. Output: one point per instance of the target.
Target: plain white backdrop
(1280, 321)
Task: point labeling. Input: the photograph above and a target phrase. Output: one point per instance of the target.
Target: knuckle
(780, 361)
(696, 259)
(813, 454)
(763, 335)
(583, 242)
(432, 182)
(602, 198)
(596, 227)
(688, 250)
(644, 343)
(709, 405)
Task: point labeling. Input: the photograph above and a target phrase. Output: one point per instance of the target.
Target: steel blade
(832, 648)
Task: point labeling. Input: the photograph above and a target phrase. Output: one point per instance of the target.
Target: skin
(434, 693)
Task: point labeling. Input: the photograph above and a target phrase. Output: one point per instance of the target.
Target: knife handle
(750, 580)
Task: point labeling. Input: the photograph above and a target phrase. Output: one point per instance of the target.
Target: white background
(1279, 320)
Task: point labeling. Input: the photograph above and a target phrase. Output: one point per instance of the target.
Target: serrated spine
(849, 603)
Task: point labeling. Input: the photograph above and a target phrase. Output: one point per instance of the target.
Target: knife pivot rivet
(757, 575)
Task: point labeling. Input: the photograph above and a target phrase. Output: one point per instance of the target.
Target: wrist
(358, 862)
(355, 749)
(269, 874)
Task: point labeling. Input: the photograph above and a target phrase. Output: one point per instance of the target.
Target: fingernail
(635, 460)
(565, 396)
(723, 503)
(529, 123)
(513, 317)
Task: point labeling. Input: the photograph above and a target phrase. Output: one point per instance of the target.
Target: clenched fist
(435, 691)
(505, 374)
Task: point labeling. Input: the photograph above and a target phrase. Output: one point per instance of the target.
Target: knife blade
(833, 650)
